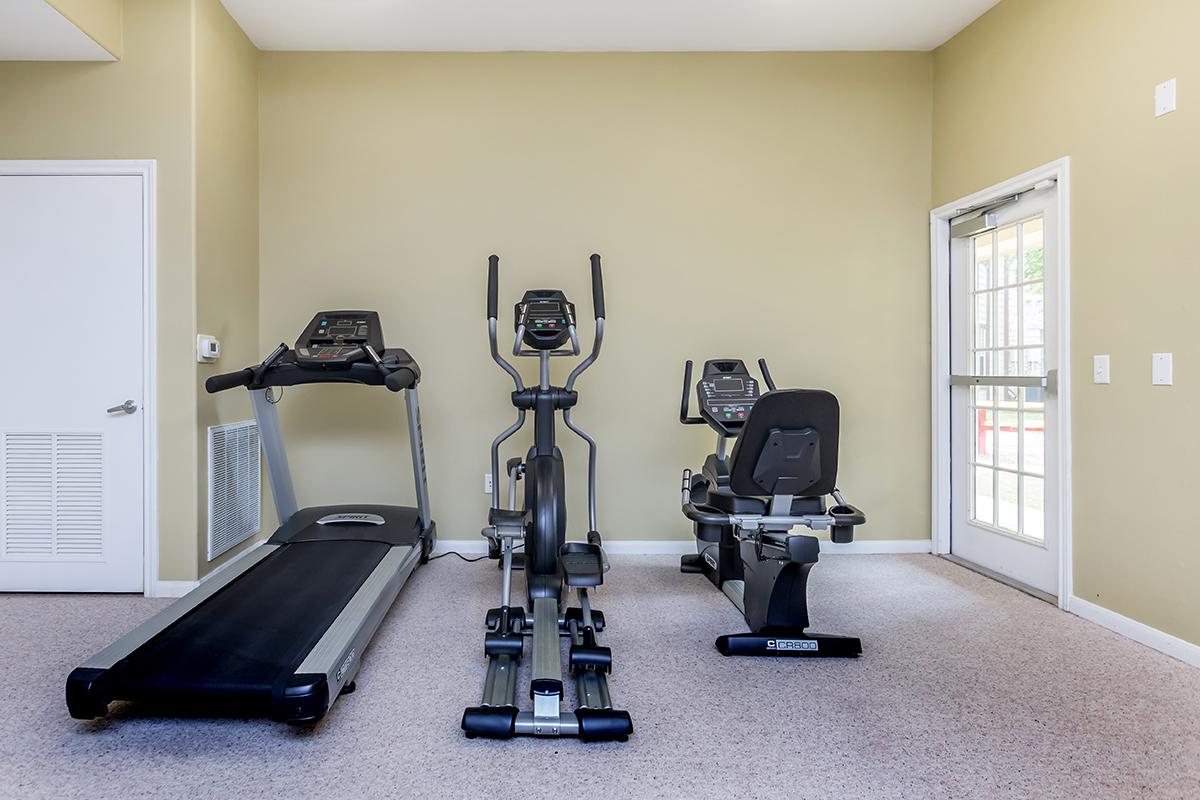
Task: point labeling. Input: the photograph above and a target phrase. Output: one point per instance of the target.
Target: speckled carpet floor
(967, 689)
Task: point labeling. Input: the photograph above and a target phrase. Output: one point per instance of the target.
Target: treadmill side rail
(334, 660)
(85, 685)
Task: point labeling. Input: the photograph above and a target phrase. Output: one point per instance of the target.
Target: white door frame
(939, 239)
(146, 170)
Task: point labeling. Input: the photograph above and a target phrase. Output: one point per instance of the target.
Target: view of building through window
(1008, 338)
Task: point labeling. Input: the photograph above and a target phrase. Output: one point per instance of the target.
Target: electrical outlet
(1162, 372)
(487, 483)
(1164, 98)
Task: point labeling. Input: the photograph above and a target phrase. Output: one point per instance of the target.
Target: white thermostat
(208, 348)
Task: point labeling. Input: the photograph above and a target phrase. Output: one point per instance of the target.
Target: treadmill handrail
(397, 371)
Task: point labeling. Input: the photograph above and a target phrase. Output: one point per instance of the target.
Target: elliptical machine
(545, 329)
(744, 505)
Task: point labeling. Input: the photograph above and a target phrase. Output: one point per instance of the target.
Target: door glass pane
(1033, 362)
(985, 434)
(1010, 317)
(983, 320)
(1007, 501)
(1033, 443)
(1033, 326)
(983, 495)
(1012, 363)
(1010, 272)
(983, 261)
(1007, 438)
(1034, 511)
(1033, 251)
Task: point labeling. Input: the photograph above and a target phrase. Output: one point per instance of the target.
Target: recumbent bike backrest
(788, 445)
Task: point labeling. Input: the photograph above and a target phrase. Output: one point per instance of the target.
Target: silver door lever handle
(128, 407)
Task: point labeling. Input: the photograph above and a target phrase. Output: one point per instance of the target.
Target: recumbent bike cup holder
(280, 632)
(745, 503)
(545, 329)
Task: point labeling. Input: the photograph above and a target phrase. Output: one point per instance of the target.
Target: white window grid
(991, 359)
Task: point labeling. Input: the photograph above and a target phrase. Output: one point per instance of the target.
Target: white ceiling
(603, 25)
(30, 30)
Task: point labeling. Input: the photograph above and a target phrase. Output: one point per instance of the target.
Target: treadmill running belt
(241, 645)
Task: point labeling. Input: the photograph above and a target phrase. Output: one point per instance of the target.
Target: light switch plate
(1163, 372)
(1100, 370)
(1164, 98)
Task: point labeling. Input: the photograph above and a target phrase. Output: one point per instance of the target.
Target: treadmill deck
(237, 651)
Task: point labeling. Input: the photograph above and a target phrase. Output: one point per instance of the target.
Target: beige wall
(138, 108)
(185, 94)
(745, 205)
(1034, 80)
(226, 224)
(99, 19)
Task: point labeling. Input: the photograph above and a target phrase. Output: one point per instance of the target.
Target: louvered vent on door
(234, 496)
(52, 496)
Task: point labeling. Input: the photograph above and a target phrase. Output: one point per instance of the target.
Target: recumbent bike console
(744, 505)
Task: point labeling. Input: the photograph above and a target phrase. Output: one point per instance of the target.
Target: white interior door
(71, 417)
(1005, 465)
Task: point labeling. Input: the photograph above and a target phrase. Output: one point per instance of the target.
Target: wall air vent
(234, 486)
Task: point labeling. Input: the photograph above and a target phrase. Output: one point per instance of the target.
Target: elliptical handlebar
(493, 292)
(493, 286)
(597, 287)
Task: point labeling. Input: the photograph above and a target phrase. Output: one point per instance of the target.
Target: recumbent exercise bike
(545, 328)
(744, 505)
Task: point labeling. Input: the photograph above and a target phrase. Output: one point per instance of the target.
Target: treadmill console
(337, 338)
(726, 392)
(547, 316)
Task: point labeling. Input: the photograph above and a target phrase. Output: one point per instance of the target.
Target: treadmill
(280, 633)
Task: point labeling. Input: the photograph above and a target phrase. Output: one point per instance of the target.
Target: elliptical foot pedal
(603, 725)
(582, 564)
(516, 617)
(503, 644)
(493, 722)
(596, 658)
(575, 614)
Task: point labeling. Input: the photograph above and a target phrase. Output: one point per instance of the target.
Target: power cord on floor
(464, 558)
(460, 555)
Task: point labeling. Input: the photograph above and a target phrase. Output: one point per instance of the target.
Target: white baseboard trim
(616, 547)
(171, 588)
(180, 588)
(678, 547)
(1132, 629)
(468, 547)
(872, 547)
